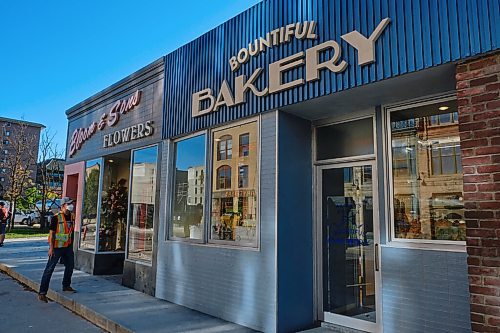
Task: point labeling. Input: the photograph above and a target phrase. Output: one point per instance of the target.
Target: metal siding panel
(444, 30)
(454, 33)
(435, 35)
(422, 33)
(494, 7)
(463, 28)
(484, 25)
(426, 33)
(401, 37)
(417, 26)
(475, 40)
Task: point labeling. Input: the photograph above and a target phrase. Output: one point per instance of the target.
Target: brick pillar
(478, 85)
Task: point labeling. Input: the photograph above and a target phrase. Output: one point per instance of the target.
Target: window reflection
(114, 203)
(189, 180)
(142, 204)
(90, 203)
(234, 188)
(427, 174)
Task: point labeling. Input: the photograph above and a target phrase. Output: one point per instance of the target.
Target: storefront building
(314, 162)
(112, 172)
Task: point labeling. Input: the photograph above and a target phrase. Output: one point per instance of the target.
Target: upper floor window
(244, 144)
(7, 133)
(224, 177)
(444, 118)
(5, 142)
(224, 148)
(243, 176)
(446, 159)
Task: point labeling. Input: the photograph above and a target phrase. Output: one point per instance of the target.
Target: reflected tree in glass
(89, 211)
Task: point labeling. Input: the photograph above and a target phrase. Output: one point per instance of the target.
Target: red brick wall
(478, 86)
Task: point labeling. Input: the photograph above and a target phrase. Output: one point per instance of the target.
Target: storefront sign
(128, 134)
(231, 194)
(310, 58)
(81, 135)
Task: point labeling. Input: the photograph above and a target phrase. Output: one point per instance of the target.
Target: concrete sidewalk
(102, 300)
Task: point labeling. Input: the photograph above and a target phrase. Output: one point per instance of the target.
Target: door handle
(377, 264)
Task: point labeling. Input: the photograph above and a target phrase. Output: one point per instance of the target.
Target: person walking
(4, 218)
(60, 246)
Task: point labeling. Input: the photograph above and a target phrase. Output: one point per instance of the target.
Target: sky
(54, 54)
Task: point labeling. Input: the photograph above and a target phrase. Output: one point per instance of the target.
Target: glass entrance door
(350, 269)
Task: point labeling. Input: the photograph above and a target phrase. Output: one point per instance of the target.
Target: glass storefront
(90, 204)
(427, 173)
(114, 203)
(188, 189)
(142, 204)
(234, 185)
(349, 247)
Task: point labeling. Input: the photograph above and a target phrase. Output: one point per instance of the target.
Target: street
(20, 311)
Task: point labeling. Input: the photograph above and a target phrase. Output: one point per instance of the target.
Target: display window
(186, 220)
(142, 204)
(90, 204)
(233, 210)
(426, 173)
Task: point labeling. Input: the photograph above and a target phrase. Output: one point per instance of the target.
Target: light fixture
(443, 108)
(110, 161)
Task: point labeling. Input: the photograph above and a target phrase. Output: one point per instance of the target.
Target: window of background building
(244, 144)
(224, 148)
(142, 204)
(427, 179)
(7, 133)
(90, 204)
(187, 214)
(234, 194)
(243, 176)
(224, 177)
(2, 179)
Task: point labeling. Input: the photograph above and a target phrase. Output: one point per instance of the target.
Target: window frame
(206, 190)
(169, 236)
(392, 240)
(98, 210)
(208, 196)
(157, 203)
(224, 168)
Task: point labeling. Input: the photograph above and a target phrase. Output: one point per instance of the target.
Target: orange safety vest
(63, 232)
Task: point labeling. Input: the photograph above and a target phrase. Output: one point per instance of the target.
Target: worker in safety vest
(60, 246)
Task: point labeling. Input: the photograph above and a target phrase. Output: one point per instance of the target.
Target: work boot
(43, 298)
(69, 289)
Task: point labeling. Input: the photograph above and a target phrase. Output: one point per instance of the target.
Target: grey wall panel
(424, 291)
(295, 225)
(235, 284)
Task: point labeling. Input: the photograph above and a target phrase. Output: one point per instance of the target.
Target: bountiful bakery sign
(110, 119)
(206, 101)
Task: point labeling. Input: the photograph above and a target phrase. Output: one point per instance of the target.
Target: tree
(19, 161)
(49, 171)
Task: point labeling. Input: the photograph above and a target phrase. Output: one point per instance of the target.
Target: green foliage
(91, 194)
(29, 199)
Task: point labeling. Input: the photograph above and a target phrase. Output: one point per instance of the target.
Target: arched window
(224, 177)
(225, 148)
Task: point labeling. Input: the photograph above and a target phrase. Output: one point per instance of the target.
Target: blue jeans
(2, 228)
(69, 263)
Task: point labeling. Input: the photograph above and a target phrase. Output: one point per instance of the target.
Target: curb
(92, 316)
